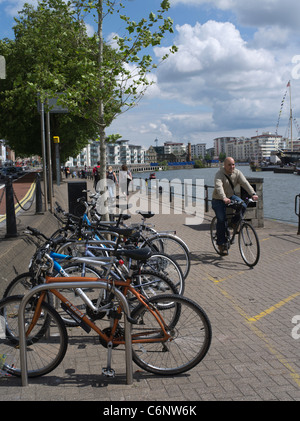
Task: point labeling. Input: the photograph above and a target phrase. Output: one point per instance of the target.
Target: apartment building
(174, 148)
(257, 148)
(198, 150)
(118, 153)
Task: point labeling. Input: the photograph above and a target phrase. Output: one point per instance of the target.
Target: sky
(228, 78)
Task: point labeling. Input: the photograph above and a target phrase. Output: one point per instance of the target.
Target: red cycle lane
(23, 189)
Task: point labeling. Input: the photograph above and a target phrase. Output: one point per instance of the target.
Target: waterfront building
(257, 148)
(118, 153)
(174, 148)
(198, 150)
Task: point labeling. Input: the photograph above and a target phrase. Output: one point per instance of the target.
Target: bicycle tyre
(249, 244)
(22, 284)
(161, 263)
(151, 284)
(190, 331)
(47, 343)
(78, 270)
(172, 246)
(213, 234)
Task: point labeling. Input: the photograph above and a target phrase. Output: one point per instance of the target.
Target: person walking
(226, 180)
(111, 182)
(125, 179)
(96, 174)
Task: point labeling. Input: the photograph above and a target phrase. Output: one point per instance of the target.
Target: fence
(187, 191)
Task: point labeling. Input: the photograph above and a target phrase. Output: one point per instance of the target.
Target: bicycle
(170, 333)
(44, 263)
(247, 237)
(161, 242)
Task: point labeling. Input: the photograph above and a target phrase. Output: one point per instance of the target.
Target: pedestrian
(111, 182)
(67, 171)
(96, 174)
(125, 179)
(226, 180)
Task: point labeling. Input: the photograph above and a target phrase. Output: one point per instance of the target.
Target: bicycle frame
(86, 321)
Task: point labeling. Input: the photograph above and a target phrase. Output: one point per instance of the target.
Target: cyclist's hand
(226, 201)
(255, 198)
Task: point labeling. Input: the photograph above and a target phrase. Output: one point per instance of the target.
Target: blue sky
(227, 79)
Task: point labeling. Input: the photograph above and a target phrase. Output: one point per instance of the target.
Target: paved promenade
(255, 351)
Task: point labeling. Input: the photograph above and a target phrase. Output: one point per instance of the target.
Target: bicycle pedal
(108, 372)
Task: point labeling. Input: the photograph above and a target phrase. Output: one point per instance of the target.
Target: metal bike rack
(68, 285)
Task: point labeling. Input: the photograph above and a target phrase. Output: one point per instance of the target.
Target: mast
(291, 114)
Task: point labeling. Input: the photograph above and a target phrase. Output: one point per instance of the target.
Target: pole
(44, 155)
(49, 162)
(11, 226)
(57, 159)
(291, 117)
(38, 196)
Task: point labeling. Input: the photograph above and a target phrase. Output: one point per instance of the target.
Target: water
(279, 190)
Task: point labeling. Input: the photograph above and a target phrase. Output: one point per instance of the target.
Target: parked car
(14, 172)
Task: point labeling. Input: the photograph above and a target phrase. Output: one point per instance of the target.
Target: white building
(257, 148)
(198, 150)
(174, 148)
(116, 154)
(2, 152)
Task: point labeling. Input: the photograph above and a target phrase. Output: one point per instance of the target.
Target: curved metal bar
(67, 285)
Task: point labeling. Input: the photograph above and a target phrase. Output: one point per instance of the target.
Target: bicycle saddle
(135, 254)
(146, 214)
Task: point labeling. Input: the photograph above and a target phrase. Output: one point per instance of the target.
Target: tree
(49, 42)
(116, 81)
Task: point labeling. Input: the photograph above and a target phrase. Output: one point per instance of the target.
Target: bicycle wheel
(151, 284)
(174, 247)
(249, 244)
(79, 270)
(161, 263)
(46, 344)
(213, 234)
(190, 332)
(22, 284)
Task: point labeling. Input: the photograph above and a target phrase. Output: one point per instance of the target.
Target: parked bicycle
(170, 333)
(247, 237)
(46, 262)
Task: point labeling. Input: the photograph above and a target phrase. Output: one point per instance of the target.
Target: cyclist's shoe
(223, 250)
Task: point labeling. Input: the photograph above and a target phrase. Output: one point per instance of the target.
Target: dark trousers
(220, 210)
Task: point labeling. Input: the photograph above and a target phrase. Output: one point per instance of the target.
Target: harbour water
(279, 190)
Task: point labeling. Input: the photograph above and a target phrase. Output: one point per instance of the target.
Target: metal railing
(68, 285)
(170, 188)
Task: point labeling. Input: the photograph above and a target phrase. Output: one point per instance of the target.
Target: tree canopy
(53, 57)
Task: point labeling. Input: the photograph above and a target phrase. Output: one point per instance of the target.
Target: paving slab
(254, 313)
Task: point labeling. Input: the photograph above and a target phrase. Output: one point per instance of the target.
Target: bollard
(11, 226)
(297, 202)
(38, 196)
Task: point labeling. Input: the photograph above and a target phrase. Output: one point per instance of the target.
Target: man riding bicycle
(226, 179)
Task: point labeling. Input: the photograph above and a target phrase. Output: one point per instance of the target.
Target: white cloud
(230, 82)
(255, 13)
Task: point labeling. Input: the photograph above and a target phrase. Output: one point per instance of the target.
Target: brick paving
(253, 355)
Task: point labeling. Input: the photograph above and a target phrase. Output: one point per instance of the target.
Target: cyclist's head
(229, 165)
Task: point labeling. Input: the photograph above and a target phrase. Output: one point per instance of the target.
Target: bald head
(229, 165)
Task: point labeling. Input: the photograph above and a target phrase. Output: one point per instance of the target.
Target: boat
(152, 176)
(289, 155)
